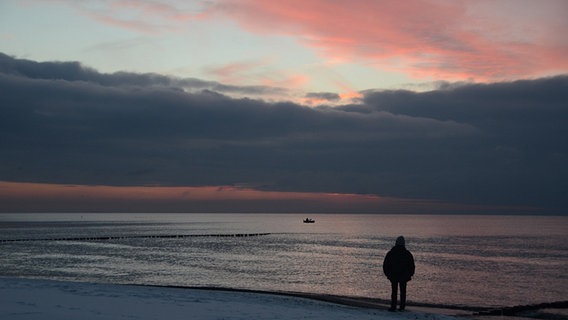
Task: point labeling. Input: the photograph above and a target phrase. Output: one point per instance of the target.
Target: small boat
(307, 220)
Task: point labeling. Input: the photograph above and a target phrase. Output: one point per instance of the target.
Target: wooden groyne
(158, 236)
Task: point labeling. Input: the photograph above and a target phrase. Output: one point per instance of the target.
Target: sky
(273, 106)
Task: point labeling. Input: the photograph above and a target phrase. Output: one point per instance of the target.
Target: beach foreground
(24, 299)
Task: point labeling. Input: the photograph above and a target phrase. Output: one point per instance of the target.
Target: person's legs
(402, 295)
(394, 295)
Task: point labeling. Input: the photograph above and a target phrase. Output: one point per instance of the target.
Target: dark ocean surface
(472, 260)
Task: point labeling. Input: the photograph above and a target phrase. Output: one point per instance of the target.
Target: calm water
(461, 260)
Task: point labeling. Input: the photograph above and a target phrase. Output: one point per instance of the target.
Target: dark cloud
(327, 96)
(493, 144)
(74, 71)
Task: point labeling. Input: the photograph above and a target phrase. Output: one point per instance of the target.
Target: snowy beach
(25, 299)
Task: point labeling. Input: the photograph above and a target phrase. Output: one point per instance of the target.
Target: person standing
(399, 267)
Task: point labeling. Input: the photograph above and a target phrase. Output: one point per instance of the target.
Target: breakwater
(158, 236)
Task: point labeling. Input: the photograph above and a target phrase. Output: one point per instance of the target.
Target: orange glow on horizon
(44, 197)
(16, 190)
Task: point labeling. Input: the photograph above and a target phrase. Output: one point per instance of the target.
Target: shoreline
(432, 308)
(352, 301)
(35, 299)
(553, 310)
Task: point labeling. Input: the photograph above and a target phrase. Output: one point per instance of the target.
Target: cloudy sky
(288, 106)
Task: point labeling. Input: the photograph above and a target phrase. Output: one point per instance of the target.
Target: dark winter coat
(399, 264)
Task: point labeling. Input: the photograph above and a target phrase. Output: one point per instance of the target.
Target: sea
(461, 260)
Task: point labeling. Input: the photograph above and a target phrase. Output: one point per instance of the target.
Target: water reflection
(457, 258)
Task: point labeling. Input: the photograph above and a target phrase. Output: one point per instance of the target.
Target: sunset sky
(408, 106)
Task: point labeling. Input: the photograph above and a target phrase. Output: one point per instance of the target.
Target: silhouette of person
(399, 269)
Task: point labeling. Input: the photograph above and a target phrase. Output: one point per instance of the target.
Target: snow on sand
(23, 299)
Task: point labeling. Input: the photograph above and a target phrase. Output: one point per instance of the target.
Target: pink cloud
(144, 16)
(286, 81)
(238, 71)
(257, 72)
(423, 38)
